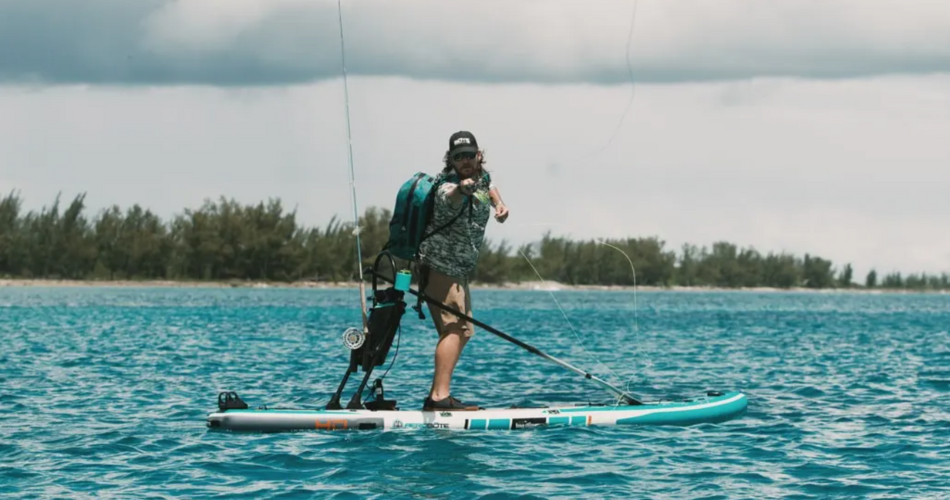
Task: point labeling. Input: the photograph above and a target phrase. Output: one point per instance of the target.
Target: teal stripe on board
(579, 420)
(499, 423)
(559, 420)
(478, 424)
(712, 414)
(671, 404)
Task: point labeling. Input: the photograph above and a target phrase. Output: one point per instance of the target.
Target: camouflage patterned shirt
(454, 250)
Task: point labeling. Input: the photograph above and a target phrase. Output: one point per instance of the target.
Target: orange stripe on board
(331, 424)
(588, 419)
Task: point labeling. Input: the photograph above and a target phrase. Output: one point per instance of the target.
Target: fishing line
(636, 315)
(633, 87)
(574, 330)
(571, 325)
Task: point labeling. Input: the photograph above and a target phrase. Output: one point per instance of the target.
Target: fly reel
(353, 338)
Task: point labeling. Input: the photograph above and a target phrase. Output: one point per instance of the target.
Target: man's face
(465, 163)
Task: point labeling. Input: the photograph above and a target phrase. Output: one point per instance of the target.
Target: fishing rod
(621, 395)
(349, 137)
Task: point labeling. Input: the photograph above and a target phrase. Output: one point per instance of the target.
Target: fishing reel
(353, 338)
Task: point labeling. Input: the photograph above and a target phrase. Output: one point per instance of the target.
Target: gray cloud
(121, 42)
(253, 42)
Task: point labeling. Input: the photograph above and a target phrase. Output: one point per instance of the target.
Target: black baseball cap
(462, 142)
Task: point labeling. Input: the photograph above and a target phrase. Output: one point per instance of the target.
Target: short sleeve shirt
(454, 250)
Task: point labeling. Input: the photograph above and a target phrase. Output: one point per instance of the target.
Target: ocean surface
(104, 393)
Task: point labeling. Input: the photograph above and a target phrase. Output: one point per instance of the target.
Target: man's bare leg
(447, 354)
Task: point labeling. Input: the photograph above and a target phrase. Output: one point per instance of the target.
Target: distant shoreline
(527, 285)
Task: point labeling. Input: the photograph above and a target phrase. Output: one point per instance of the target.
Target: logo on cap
(461, 140)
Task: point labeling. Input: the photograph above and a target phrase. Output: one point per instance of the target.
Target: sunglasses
(463, 156)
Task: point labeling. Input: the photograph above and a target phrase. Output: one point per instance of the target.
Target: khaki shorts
(454, 293)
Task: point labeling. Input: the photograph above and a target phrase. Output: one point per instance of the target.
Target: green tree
(687, 270)
(846, 277)
(227, 240)
(74, 245)
(893, 280)
(817, 272)
(781, 271)
(494, 264)
(12, 258)
(751, 268)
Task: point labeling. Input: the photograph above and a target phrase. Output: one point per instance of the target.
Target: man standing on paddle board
(463, 200)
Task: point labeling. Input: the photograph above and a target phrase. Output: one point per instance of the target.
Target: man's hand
(467, 187)
(501, 213)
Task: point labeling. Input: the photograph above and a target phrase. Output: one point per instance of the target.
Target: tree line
(224, 240)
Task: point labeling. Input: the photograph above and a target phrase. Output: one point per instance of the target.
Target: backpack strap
(440, 179)
(423, 269)
(467, 201)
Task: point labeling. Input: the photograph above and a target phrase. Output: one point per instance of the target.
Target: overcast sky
(799, 126)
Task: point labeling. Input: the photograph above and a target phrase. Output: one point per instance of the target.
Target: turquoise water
(104, 393)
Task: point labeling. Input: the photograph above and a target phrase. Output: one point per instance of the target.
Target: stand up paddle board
(709, 408)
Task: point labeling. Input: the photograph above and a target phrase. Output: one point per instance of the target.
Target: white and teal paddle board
(711, 407)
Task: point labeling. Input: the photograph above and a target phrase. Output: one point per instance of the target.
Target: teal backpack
(412, 214)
